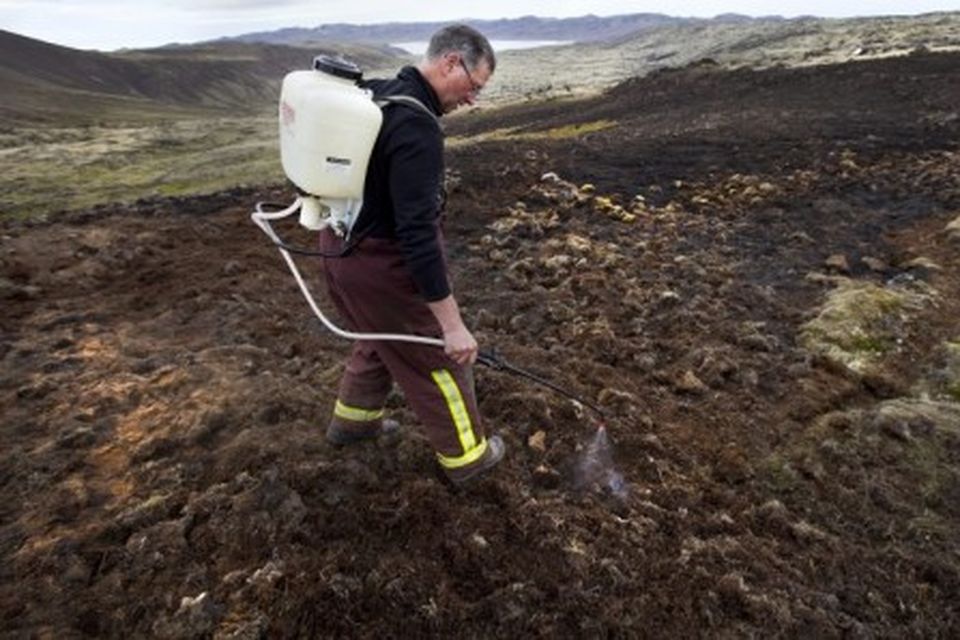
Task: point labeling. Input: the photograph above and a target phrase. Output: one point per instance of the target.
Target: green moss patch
(861, 322)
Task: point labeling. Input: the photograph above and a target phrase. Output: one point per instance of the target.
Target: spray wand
(497, 363)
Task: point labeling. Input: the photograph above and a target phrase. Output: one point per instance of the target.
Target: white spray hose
(262, 219)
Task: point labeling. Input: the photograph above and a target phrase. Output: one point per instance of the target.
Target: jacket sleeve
(416, 169)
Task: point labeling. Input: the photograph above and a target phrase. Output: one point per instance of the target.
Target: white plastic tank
(328, 127)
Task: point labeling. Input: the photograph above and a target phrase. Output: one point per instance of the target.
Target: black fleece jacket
(403, 194)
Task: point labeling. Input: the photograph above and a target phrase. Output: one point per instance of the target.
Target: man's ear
(450, 62)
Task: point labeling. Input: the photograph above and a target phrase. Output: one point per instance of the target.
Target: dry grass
(49, 170)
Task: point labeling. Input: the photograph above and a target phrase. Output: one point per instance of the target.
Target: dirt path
(162, 470)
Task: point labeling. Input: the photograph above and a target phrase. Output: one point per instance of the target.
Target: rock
(77, 572)
(558, 261)
(207, 426)
(669, 297)
(773, 510)
(690, 383)
(161, 545)
(806, 532)
(196, 617)
(616, 397)
(267, 575)
(953, 230)
(10, 290)
(874, 264)
(652, 443)
(546, 477)
(153, 449)
(255, 629)
(538, 441)
(732, 466)
(766, 188)
(897, 429)
(272, 413)
(904, 420)
(922, 264)
(732, 589)
(644, 362)
(152, 510)
(550, 176)
(76, 437)
(759, 342)
(840, 420)
(822, 278)
(837, 262)
(486, 320)
(603, 203)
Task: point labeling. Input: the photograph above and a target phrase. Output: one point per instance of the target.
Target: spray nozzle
(490, 359)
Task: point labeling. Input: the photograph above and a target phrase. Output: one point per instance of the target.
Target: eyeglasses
(475, 87)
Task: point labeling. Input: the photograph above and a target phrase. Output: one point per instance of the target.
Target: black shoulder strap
(410, 101)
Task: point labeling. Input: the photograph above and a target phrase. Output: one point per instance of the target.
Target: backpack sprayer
(328, 126)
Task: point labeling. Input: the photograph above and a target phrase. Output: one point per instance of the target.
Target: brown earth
(164, 390)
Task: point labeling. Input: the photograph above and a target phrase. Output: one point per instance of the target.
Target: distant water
(420, 47)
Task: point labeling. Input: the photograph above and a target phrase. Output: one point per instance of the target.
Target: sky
(112, 24)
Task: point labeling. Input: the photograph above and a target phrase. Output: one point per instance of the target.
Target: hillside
(755, 273)
(46, 83)
(761, 43)
(583, 29)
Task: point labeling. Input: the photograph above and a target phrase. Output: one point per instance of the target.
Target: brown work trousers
(374, 292)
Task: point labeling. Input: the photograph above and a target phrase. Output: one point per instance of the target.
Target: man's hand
(458, 342)
(460, 345)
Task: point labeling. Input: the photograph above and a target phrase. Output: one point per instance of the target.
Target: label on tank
(337, 165)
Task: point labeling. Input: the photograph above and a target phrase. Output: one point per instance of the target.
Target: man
(395, 280)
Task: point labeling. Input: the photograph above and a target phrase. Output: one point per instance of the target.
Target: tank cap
(337, 67)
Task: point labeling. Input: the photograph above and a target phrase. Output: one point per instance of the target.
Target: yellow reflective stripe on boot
(355, 414)
(461, 461)
(461, 419)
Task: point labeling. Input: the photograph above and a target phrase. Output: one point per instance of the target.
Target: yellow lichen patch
(454, 142)
(606, 206)
(603, 203)
(556, 133)
(861, 322)
(569, 131)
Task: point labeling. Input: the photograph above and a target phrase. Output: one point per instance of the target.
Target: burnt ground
(164, 390)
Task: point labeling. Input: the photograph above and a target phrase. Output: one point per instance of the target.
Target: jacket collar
(425, 92)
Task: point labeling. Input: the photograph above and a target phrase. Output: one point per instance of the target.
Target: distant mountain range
(588, 28)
